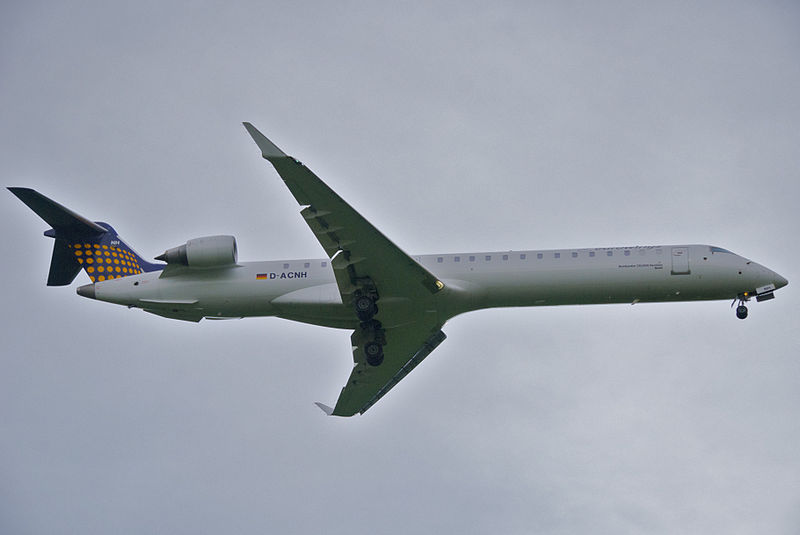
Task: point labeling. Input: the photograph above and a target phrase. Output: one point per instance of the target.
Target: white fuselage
(306, 290)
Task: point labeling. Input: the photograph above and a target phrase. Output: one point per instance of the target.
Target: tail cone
(87, 290)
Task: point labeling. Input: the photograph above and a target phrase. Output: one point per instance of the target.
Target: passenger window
(610, 253)
(440, 260)
(523, 256)
(539, 256)
(591, 253)
(505, 257)
(627, 253)
(286, 266)
(574, 255)
(471, 258)
(307, 265)
(557, 255)
(324, 264)
(456, 259)
(488, 257)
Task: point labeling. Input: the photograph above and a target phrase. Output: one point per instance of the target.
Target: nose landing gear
(741, 310)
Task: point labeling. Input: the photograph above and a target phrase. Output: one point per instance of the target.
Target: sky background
(452, 126)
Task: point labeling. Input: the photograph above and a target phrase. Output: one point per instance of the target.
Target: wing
(357, 248)
(403, 328)
(405, 348)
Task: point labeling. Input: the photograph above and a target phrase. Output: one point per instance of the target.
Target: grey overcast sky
(452, 126)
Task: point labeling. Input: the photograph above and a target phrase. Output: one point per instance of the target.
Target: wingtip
(268, 148)
(327, 410)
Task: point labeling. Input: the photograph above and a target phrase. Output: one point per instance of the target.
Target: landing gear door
(680, 261)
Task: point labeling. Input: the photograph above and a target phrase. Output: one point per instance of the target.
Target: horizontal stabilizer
(79, 243)
(64, 221)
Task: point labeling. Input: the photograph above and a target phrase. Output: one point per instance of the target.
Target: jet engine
(207, 252)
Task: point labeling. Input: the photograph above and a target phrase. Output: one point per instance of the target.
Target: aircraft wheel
(365, 307)
(374, 353)
(741, 312)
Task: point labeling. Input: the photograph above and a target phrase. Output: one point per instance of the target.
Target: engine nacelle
(211, 251)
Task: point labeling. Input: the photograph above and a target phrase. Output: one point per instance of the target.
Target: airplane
(394, 304)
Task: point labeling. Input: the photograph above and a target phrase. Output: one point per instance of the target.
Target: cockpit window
(719, 250)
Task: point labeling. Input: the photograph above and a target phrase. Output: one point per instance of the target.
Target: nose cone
(87, 290)
(780, 282)
(770, 277)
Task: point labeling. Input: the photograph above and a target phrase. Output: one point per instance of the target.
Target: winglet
(268, 148)
(327, 410)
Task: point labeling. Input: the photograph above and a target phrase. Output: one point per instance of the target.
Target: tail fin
(80, 243)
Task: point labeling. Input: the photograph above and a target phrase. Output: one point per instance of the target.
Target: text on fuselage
(285, 275)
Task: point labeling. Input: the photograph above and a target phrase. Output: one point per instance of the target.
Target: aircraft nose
(87, 290)
(780, 282)
(770, 277)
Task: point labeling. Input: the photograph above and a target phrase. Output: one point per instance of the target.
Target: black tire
(362, 303)
(374, 353)
(365, 307)
(741, 312)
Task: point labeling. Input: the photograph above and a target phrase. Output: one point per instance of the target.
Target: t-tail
(81, 243)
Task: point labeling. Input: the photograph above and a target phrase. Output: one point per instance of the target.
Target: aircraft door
(680, 261)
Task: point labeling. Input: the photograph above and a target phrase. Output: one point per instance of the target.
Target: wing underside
(404, 350)
(402, 327)
(358, 248)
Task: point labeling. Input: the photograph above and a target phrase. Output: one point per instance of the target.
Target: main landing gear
(365, 307)
(374, 353)
(372, 339)
(371, 336)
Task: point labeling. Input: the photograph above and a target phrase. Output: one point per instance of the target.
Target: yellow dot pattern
(104, 262)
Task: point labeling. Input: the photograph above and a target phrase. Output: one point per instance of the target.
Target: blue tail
(94, 246)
